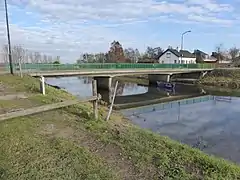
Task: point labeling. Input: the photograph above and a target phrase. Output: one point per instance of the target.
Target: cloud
(210, 19)
(70, 27)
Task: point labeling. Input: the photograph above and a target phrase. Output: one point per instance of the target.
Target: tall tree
(116, 53)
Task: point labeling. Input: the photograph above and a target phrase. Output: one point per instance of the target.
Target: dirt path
(110, 153)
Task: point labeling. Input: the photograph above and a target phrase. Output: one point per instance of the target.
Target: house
(202, 57)
(173, 56)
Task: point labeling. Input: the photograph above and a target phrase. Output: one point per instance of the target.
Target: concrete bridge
(104, 76)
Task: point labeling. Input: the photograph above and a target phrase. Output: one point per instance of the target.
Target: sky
(71, 27)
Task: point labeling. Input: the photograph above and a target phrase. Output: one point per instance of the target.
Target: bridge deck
(113, 72)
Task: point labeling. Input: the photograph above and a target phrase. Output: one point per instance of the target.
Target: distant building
(173, 56)
(202, 57)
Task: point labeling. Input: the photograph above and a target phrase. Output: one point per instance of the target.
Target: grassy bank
(69, 144)
(227, 78)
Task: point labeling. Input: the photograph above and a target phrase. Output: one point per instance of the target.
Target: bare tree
(31, 58)
(18, 54)
(137, 55)
(50, 59)
(129, 54)
(58, 58)
(5, 53)
(220, 52)
(37, 57)
(45, 58)
(234, 52)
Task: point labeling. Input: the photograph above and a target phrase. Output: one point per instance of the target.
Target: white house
(172, 56)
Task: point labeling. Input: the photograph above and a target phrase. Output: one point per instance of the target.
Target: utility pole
(9, 40)
(182, 41)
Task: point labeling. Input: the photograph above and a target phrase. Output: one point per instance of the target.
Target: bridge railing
(48, 67)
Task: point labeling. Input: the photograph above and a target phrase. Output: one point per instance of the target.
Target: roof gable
(183, 53)
(200, 52)
(186, 54)
(174, 51)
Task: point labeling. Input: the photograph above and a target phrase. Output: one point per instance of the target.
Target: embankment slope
(69, 144)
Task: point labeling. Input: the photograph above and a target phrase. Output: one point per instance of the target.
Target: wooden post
(112, 101)
(95, 103)
(42, 85)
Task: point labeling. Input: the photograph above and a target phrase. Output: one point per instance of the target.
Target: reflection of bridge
(152, 95)
(170, 104)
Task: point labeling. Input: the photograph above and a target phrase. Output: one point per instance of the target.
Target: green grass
(28, 153)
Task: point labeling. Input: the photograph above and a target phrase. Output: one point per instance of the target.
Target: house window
(168, 55)
(178, 61)
(175, 61)
(162, 62)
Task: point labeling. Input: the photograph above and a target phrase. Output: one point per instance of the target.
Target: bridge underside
(104, 77)
(105, 82)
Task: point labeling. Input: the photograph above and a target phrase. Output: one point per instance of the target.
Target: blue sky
(71, 27)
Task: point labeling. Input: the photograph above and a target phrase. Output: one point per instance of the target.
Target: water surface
(207, 121)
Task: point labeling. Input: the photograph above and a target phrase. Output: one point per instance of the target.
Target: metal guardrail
(47, 67)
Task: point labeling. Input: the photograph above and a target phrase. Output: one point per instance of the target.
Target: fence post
(112, 102)
(95, 102)
(42, 85)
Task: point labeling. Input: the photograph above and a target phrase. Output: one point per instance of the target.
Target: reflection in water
(211, 125)
(126, 92)
(82, 86)
(77, 86)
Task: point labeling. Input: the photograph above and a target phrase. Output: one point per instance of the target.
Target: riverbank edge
(224, 78)
(171, 158)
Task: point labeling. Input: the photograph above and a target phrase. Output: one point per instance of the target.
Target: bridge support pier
(153, 78)
(104, 83)
(104, 87)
